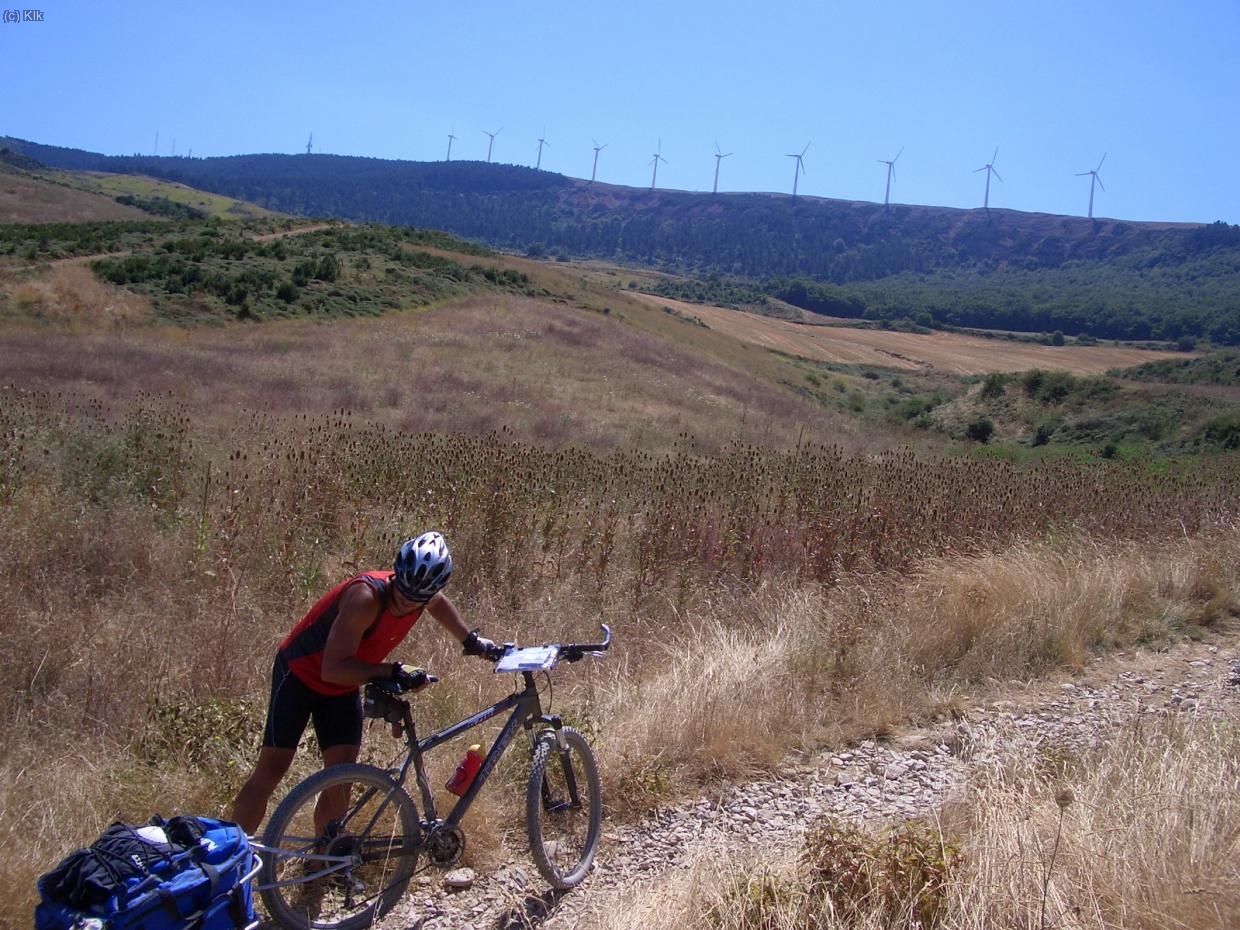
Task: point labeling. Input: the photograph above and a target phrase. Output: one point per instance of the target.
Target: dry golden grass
(949, 352)
(71, 295)
(1141, 834)
(153, 549)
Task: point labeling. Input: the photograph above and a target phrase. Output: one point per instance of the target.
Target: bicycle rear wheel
(563, 808)
(354, 865)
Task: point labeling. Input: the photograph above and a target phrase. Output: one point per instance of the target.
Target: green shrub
(901, 875)
(980, 430)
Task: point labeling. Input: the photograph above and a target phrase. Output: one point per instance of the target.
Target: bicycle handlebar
(573, 652)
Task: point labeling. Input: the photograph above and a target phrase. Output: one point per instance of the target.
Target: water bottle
(459, 783)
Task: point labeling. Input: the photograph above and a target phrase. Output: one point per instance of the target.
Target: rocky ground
(911, 775)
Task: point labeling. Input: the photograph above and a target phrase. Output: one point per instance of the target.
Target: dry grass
(154, 549)
(949, 352)
(71, 295)
(543, 372)
(740, 680)
(1143, 834)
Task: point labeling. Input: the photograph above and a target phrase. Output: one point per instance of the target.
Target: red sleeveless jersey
(303, 648)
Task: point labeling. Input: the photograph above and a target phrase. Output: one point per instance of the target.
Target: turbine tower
(156, 141)
(310, 144)
(658, 157)
(1093, 179)
(989, 168)
(541, 143)
(891, 173)
(719, 156)
(796, 176)
(450, 138)
(491, 144)
(597, 148)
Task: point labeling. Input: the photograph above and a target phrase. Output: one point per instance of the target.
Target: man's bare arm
(359, 608)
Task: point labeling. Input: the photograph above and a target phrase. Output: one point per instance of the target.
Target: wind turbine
(719, 156)
(310, 143)
(891, 173)
(597, 148)
(989, 168)
(541, 143)
(658, 157)
(1093, 177)
(491, 144)
(450, 138)
(796, 176)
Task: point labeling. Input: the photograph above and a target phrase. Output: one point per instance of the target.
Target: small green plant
(903, 875)
(756, 902)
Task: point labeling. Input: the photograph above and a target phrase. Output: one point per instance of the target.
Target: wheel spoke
(346, 874)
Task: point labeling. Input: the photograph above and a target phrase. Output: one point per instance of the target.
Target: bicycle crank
(445, 843)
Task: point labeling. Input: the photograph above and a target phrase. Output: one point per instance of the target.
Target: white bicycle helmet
(423, 567)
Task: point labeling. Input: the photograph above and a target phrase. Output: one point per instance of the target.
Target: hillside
(25, 198)
(979, 268)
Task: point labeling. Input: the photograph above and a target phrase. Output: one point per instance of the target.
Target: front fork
(556, 725)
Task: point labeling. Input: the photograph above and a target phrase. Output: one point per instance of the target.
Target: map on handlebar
(529, 659)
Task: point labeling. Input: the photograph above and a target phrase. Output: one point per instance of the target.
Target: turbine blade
(1081, 174)
(1104, 158)
(983, 168)
(994, 156)
(806, 149)
(995, 173)
(898, 154)
(1100, 182)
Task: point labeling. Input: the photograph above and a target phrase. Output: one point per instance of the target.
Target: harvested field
(945, 352)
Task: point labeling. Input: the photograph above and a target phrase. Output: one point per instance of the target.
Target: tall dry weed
(762, 601)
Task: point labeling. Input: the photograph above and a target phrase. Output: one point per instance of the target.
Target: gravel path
(912, 776)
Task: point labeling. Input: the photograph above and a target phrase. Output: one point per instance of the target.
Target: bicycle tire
(563, 836)
(304, 893)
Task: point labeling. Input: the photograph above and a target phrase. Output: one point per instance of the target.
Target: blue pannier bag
(186, 873)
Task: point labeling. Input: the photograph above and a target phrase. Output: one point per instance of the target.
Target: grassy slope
(143, 188)
(26, 198)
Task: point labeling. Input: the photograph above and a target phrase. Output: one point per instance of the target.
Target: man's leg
(288, 711)
(333, 802)
(338, 727)
(250, 805)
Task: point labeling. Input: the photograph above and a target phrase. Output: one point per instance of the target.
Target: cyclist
(343, 643)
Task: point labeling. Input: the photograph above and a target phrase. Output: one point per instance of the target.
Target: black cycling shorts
(337, 718)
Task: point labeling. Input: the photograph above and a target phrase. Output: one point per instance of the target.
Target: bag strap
(169, 900)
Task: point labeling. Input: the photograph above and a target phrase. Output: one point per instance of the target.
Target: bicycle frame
(527, 712)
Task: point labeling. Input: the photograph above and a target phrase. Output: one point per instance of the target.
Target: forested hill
(996, 268)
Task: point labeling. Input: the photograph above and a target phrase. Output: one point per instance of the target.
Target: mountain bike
(341, 848)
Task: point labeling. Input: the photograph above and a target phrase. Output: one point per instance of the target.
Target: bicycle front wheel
(563, 808)
(341, 849)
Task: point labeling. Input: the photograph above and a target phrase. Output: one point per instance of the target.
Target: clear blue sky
(1054, 85)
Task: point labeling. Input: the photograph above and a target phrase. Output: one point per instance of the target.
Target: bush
(980, 430)
(992, 387)
(902, 875)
